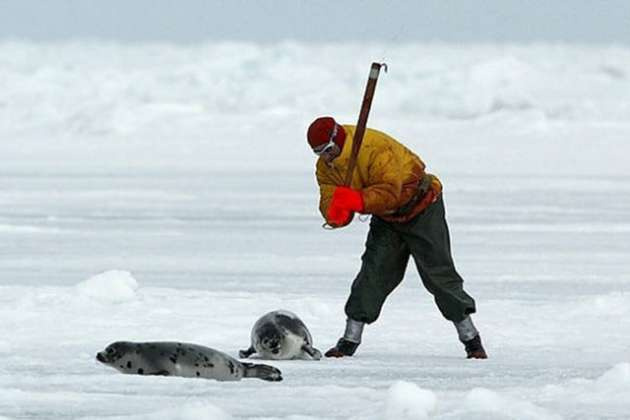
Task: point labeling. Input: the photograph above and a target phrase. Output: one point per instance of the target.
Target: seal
(281, 335)
(181, 359)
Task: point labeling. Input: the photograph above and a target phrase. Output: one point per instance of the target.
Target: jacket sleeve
(326, 190)
(384, 182)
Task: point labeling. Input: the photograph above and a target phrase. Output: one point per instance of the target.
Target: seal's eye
(110, 350)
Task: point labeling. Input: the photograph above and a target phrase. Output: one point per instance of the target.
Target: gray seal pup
(181, 359)
(281, 335)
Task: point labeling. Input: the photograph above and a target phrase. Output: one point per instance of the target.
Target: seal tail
(264, 372)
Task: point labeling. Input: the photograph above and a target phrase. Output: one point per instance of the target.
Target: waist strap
(424, 185)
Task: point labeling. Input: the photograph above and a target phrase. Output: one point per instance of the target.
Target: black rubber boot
(474, 348)
(344, 348)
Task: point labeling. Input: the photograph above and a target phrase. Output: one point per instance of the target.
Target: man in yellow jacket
(390, 183)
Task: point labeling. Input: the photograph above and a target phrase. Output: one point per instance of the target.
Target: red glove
(347, 199)
(344, 202)
(338, 217)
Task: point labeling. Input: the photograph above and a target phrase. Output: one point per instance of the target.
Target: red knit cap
(320, 131)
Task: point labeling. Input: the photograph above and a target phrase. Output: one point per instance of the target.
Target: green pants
(385, 259)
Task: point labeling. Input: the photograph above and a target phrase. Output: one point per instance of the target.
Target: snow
(159, 192)
(407, 401)
(187, 411)
(488, 403)
(111, 286)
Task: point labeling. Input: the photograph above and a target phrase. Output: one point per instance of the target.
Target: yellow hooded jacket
(387, 173)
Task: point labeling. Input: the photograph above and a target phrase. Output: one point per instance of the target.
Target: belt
(424, 185)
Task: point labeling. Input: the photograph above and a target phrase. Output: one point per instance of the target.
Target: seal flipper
(156, 373)
(159, 373)
(264, 372)
(244, 354)
(312, 352)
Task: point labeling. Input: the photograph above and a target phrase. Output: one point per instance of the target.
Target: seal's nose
(100, 357)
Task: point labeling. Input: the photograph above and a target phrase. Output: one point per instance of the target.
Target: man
(389, 182)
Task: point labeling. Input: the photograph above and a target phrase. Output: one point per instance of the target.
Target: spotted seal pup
(181, 359)
(281, 335)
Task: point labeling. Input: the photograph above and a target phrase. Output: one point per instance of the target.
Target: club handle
(370, 88)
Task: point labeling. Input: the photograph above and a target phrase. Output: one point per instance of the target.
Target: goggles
(320, 150)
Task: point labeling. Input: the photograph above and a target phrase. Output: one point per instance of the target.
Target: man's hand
(338, 217)
(344, 202)
(348, 199)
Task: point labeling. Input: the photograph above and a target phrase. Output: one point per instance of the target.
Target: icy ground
(185, 169)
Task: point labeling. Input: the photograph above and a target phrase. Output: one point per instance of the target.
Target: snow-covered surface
(112, 286)
(405, 400)
(154, 192)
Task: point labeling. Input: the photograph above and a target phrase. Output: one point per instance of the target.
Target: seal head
(281, 335)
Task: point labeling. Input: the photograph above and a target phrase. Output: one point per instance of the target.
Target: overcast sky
(184, 21)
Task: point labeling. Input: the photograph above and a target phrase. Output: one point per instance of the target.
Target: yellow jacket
(387, 173)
